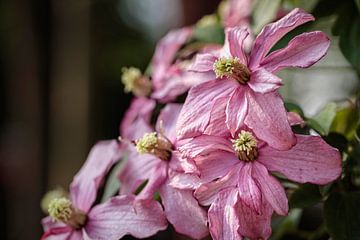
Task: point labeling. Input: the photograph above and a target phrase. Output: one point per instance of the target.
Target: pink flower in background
(154, 159)
(170, 78)
(78, 219)
(236, 183)
(235, 13)
(248, 84)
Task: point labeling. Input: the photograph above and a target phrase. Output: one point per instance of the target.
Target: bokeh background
(60, 88)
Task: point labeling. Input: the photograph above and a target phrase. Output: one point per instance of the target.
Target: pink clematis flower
(235, 13)
(248, 83)
(170, 77)
(235, 177)
(78, 218)
(154, 159)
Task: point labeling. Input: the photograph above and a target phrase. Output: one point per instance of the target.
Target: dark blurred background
(60, 88)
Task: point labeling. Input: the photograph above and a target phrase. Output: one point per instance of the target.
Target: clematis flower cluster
(210, 165)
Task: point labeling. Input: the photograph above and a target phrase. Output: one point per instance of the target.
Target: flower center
(231, 68)
(245, 146)
(156, 144)
(135, 82)
(61, 209)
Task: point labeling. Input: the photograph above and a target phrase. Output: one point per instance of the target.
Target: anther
(231, 68)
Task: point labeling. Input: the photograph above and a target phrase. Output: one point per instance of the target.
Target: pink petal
(310, 160)
(167, 119)
(273, 32)
(138, 168)
(223, 217)
(217, 119)
(271, 189)
(236, 13)
(302, 51)
(203, 62)
(123, 215)
(184, 180)
(171, 87)
(207, 193)
(236, 110)
(195, 114)
(267, 117)
(262, 81)
(84, 187)
(55, 230)
(235, 42)
(295, 119)
(137, 118)
(205, 144)
(249, 191)
(252, 224)
(183, 212)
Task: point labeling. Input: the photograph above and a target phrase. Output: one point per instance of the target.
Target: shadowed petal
(310, 160)
(124, 215)
(295, 119)
(267, 118)
(302, 51)
(195, 114)
(166, 122)
(273, 32)
(271, 189)
(262, 81)
(184, 212)
(84, 187)
(207, 193)
(249, 191)
(223, 218)
(236, 110)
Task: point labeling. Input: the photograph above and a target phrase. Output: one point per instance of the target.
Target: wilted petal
(310, 160)
(235, 42)
(207, 193)
(184, 212)
(262, 81)
(84, 187)
(236, 110)
(137, 118)
(166, 122)
(273, 32)
(124, 215)
(302, 51)
(252, 224)
(223, 217)
(249, 191)
(271, 189)
(267, 118)
(203, 62)
(205, 144)
(195, 114)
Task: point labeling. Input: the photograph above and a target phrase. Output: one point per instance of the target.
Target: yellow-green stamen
(60, 209)
(245, 146)
(135, 82)
(232, 68)
(147, 143)
(156, 144)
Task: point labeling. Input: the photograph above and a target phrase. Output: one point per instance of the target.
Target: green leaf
(326, 116)
(316, 126)
(264, 12)
(209, 34)
(349, 43)
(112, 184)
(342, 216)
(346, 121)
(287, 224)
(306, 195)
(292, 107)
(357, 4)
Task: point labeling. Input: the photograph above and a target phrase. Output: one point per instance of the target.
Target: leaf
(292, 107)
(264, 12)
(325, 118)
(306, 195)
(346, 121)
(112, 184)
(357, 4)
(316, 126)
(282, 226)
(349, 43)
(342, 215)
(209, 34)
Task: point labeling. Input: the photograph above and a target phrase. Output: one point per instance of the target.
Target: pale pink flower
(235, 180)
(235, 13)
(170, 77)
(154, 159)
(78, 218)
(248, 84)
